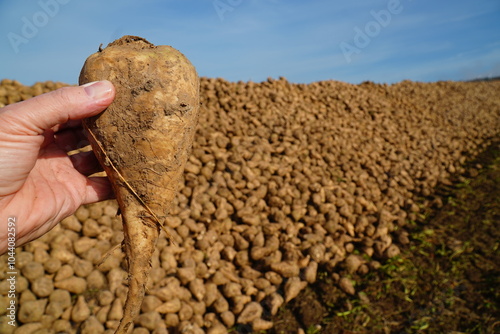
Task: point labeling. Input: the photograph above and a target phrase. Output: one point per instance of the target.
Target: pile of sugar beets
(283, 181)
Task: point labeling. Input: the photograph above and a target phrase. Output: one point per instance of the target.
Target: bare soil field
(444, 281)
(306, 208)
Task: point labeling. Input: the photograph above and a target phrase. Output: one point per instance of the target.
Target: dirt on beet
(444, 281)
(143, 140)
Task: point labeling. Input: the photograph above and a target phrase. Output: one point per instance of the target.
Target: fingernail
(98, 89)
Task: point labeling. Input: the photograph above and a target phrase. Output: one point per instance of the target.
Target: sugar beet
(143, 140)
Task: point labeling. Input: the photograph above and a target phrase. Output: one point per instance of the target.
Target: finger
(86, 163)
(70, 140)
(98, 189)
(43, 112)
(72, 124)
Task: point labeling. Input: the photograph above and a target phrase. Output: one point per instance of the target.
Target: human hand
(39, 183)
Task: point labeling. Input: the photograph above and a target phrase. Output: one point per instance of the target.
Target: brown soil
(445, 281)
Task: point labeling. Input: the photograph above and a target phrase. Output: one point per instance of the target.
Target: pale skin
(39, 183)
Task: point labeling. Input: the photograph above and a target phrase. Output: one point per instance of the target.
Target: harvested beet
(143, 140)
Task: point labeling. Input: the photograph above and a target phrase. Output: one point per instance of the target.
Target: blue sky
(303, 41)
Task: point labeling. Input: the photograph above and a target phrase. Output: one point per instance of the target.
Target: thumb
(34, 116)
